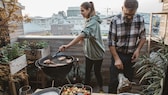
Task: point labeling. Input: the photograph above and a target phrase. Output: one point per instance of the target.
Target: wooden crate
(10, 69)
(35, 54)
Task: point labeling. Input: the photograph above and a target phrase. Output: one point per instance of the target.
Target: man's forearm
(114, 52)
(141, 43)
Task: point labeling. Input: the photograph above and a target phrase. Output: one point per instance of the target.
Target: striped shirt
(125, 36)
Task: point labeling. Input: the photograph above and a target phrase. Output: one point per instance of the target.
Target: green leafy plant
(151, 69)
(34, 44)
(7, 54)
(10, 52)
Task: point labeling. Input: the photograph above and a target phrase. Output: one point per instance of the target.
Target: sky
(46, 8)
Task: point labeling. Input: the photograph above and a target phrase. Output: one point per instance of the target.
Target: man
(125, 39)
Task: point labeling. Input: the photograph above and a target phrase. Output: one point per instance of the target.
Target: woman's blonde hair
(87, 5)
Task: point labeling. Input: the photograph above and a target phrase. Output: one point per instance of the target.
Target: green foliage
(151, 68)
(34, 44)
(10, 52)
(10, 19)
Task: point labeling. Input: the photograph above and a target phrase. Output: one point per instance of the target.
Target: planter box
(13, 66)
(17, 64)
(35, 54)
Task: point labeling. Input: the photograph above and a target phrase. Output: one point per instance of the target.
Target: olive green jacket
(93, 44)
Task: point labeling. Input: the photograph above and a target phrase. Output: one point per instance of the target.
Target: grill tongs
(56, 54)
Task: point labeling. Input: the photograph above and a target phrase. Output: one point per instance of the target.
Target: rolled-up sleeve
(112, 34)
(89, 28)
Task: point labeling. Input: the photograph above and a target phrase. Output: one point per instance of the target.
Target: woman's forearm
(76, 40)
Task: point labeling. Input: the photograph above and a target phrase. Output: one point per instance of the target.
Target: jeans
(128, 71)
(97, 70)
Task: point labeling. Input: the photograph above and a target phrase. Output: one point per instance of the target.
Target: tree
(10, 18)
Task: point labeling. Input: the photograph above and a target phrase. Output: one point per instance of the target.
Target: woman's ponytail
(92, 13)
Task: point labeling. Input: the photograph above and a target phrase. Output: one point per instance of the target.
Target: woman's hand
(63, 47)
(73, 42)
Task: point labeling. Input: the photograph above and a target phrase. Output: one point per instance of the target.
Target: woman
(93, 43)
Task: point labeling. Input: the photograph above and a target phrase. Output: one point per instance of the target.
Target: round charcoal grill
(59, 68)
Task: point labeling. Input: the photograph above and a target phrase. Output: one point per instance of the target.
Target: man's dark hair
(131, 4)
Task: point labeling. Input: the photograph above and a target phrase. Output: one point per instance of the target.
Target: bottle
(25, 90)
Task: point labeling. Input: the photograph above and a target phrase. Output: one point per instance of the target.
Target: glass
(25, 90)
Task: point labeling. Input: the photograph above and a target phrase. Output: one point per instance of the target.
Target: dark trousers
(97, 70)
(128, 71)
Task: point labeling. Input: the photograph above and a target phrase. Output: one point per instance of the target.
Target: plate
(76, 89)
(48, 91)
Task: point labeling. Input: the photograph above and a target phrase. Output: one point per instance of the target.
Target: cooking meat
(68, 60)
(61, 58)
(48, 61)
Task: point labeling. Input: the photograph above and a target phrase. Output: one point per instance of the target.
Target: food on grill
(61, 58)
(60, 61)
(68, 60)
(48, 61)
(75, 91)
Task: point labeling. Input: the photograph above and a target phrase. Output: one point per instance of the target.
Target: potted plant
(152, 68)
(36, 49)
(11, 52)
(12, 60)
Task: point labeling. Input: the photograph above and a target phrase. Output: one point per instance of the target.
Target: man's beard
(127, 20)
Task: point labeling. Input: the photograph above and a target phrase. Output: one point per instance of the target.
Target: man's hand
(119, 64)
(135, 56)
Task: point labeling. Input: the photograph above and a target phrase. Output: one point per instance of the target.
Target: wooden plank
(17, 64)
